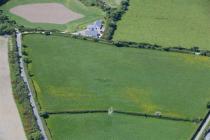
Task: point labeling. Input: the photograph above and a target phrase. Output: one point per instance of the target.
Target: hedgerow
(20, 91)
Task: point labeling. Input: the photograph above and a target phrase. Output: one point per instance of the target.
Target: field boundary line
(196, 51)
(140, 114)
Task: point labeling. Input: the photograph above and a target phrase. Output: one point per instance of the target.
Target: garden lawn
(184, 23)
(116, 127)
(91, 14)
(73, 74)
(113, 3)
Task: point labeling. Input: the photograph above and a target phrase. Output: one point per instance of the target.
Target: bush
(7, 26)
(24, 52)
(35, 136)
(27, 60)
(44, 115)
(208, 105)
(3, 2)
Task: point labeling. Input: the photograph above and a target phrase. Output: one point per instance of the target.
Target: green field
(90, 14)
(69, 74)
(73, 74)
(171, 23)
(116, 127)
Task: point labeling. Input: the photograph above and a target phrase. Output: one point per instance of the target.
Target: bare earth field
(46, 13)
(11, 127)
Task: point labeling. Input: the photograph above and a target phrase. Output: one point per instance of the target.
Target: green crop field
(171, 23)
(90, 89)
(71, 74)
(116, 127)
(90, 14)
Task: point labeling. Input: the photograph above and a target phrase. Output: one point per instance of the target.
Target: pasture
(168, 23)
(71, 74)
(116, 127)
(89, 14)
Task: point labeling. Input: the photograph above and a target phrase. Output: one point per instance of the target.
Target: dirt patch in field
(46, 13)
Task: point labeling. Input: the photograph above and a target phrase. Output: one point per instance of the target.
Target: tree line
(7, 26)
(3, 2)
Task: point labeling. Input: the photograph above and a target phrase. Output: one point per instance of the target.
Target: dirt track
(46, 13)
(10, 123)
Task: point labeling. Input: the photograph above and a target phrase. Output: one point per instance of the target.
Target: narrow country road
(207, 136)
(203, 129)
(23, 74)
(11, 127)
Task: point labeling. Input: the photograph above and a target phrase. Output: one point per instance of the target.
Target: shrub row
(34, 30)
(21, 96)
(158, 116)
(179, 49)
(47, 114)
(113, 15)
(57, 33)
(193, 50)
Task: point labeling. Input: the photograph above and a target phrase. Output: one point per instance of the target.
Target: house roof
(96, 24)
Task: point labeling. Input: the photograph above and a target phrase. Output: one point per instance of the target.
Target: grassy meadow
(91, 14)
(71, 74)
(116, 127)
(168, 23)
